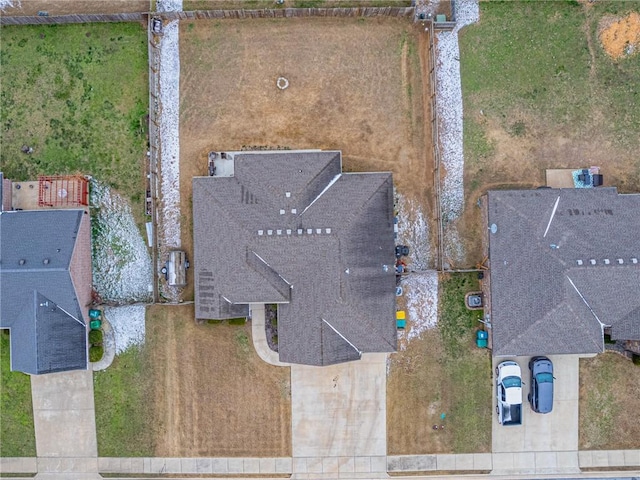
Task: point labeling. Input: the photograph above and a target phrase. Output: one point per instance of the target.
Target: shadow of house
(290, 228)
(564, 264)
(45, 288)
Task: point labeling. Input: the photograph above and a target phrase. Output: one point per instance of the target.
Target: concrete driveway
(340, 410)
(65, 426)
(556, 431)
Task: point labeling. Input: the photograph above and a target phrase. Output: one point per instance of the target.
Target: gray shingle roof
(290, 228)
(38, 300)
(551, 286)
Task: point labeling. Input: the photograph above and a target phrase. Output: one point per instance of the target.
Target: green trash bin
(94, 314)
(95, 324)
(481, 339)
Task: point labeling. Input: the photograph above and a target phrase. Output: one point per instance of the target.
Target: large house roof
(564, 264)
(38, 297)
(291, 228)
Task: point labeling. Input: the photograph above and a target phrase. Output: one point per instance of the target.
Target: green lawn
(123, 407)
(468, 391)
(533, 57)
(442, 372)
(17, 436)
(78, 95)
(539, 92)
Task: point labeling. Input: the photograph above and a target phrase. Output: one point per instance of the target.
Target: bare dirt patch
(354, 84)
(213, 396)
(609, 402)
(69, 7)
(620, 37)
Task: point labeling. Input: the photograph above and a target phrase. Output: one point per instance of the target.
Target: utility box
(175, 270)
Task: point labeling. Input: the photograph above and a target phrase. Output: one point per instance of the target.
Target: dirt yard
(609, 403)
(620, 36)
(68, 7)
(355, 85)
(213, 395)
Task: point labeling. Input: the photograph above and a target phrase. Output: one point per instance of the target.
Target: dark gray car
(541, 395)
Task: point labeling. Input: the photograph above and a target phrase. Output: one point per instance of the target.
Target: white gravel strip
(121, 261)
(9, 3)
(413, 231)
(128, 324)
(449, 106)
(169, 221)
(168, 6)
(421, 292)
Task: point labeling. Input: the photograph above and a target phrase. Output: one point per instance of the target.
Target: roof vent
(579, 262)
(281, 211)
(294, 211)
(288, 231)
(269, 232)
(620, 261)
(592, 261)
(634, 260)
(606, 261)
(279, 232)
(318, 231)
(287, 194)
(22, 261)
(309, 231)
(494, 228)
(327, 230)
(299, 231)
(260, 232)
(45, 261)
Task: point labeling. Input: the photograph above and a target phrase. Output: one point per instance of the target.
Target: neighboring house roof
(291, 228)
(552, 290)
(44, 289)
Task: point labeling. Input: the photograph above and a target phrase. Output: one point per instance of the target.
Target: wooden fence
(220, 14)
(435, 137)
(154, 146)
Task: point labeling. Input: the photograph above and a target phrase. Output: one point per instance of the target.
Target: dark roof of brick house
(564, 264)
(41, 301)
(291, 228)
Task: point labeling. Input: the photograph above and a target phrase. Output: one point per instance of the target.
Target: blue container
(482, 339)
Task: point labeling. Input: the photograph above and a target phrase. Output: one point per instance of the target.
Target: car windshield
(511, 382)
(545, 378)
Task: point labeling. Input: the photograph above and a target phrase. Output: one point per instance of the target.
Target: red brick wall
(80, 267)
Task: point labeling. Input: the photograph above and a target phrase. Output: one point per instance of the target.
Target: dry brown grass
(609, 403)
(355, 85)
(213, 396)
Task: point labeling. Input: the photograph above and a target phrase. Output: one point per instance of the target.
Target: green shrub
(95, 353)
(636, 359)
(95, 337)
(237, 321)
(275, 339)
(214, 322)
(607, 339)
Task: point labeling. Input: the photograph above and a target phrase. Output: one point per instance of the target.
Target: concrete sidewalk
(65, 425)
(341, 467)
(259, 335)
